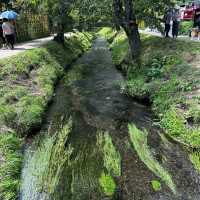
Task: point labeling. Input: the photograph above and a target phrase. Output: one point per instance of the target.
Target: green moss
(139, 141)
(108, 184)
(156, 185)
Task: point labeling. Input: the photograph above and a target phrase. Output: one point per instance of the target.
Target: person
(176, 22)
(167, 20)
(196, 19)
(9, 32)
(1, 34)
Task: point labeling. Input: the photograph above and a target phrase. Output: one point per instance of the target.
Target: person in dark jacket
(176, 23)
(167, 20)
(2, 38)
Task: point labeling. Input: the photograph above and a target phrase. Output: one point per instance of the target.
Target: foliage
(185, 27)
(174, 123)
(107, 183)
(156, 185)
(94, 13)
(139, 141)
(10, 164)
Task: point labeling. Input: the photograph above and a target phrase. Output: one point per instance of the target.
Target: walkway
(19, 48)
(158, 34)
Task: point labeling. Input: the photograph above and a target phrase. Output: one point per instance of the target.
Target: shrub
(185, 27)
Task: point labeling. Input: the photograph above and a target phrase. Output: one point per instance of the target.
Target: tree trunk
(125, 16)
(134, 42)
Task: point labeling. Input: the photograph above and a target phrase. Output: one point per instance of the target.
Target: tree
(93, 13)
(126, 18)
(59, 14)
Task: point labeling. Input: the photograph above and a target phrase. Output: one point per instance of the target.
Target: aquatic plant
(111, 157)
(139, 141)
(107, 184)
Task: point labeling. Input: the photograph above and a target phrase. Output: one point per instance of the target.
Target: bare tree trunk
(125, 16)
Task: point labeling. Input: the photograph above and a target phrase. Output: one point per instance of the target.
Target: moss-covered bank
(27, 84)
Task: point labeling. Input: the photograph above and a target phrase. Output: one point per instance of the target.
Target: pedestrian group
(7, 33)
(172, 18)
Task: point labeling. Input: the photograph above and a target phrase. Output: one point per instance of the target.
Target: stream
(84, 150)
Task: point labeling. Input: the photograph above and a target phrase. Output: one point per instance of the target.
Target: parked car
(188, 11)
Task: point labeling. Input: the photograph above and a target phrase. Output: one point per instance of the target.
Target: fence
(31, 26)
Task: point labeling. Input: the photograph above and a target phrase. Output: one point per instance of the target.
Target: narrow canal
(85, 150)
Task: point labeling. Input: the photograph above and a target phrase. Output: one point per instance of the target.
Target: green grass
(139, 142)
(156, 185)
(10, 164)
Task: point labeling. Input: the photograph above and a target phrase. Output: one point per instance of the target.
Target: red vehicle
(188, 12)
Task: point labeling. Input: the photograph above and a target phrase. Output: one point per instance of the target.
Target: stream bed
(85, 150)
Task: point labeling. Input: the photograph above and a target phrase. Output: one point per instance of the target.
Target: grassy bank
(27, 84)
(169, 76)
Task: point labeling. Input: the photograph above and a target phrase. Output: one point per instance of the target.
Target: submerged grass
(139, 141)
(112, 158)
(112, 163)
(43, 178)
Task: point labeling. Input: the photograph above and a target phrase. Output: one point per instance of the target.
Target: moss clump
(107, 184)
(156, 185)
(139, 141)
